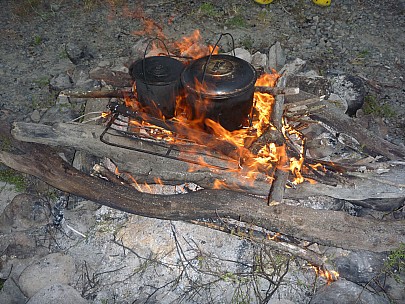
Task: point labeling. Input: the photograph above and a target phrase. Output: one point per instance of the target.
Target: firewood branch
(145, 167)
(330, 228)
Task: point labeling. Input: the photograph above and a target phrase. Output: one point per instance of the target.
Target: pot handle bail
(146, 50)
(212, 52)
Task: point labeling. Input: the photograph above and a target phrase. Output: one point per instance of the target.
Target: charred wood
(331, 228)
(145, 167)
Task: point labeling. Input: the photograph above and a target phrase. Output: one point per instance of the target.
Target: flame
(329, 275)
(250, 164)
(192, 46)
(218, 184)
(275, 237)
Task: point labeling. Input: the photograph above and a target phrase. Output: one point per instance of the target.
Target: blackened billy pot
(158, 84)
(221, 88)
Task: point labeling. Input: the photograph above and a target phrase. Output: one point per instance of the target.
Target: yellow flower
(264, 1)
(322, 2)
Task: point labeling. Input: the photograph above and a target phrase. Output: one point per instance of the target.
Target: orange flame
(329, 275)
(193, 46)
(268, 154)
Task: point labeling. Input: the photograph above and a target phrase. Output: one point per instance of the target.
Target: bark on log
(372, 143)
(147, 167)
(282, 173)
(329, 228)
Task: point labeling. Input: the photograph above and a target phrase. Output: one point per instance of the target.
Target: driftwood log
(145, 168)
(330, 228)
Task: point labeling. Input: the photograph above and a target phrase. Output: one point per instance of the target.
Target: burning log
(146, 167)
(282, 171)
(329, 228)
(127, 92)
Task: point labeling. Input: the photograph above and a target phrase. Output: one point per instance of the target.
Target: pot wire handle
(212, 52)
(146, 50)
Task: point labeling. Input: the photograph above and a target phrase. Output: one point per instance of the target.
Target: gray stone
(24, 212)
(280, 301)
(346, 292)
(259, 60)
(11, 293)
(294, 67)
(276, 56)
(57, 293)
(77, 52)
(351, 88)
(53, 268)
(243, 54)
(360, 266)
(61, 82)
(35, 116)
(316, 85)
(58, 113)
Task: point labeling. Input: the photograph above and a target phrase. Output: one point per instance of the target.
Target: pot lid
(156, 70)
(225, 76)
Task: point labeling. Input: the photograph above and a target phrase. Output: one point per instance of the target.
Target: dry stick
(281, 175)
(257, 237)
(99, 94)
(277, 90)
(127, 92)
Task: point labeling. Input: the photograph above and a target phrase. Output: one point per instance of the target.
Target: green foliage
(42, 81)
(2, 281)
(376, 107)
(237, 21)
(37, 40)
(395, 263)
(13, 177)
(208, 9)
(5, 143)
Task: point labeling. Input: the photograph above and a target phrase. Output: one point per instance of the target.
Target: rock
(242, 54)
(77, 53)
(57, 293)
(279, 301)
(10, 293)
(51, 269)
(259, 61)
(35, 116)
(20, 245)
(276, 56)
(394, 286)
(58, 113)
(316, 85)
(347, 292)
(351, 88)
(359, 266)
(61, 82)
(294, 67)
(24, 212)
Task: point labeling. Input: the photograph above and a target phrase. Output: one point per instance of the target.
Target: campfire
(209, 109)
(193, 115)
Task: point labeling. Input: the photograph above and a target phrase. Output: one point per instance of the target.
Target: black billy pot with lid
(158, 84)
(220, 87)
